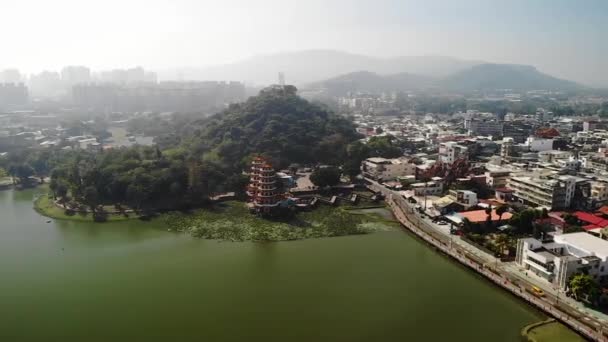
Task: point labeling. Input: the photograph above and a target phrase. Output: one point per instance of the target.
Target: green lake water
(134, 281)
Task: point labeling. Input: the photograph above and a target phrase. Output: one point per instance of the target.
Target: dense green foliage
(378, 146)
(326, 176)
(27, 163)
(278, 124)
(203, 158)
(584, 287)
(140, 177)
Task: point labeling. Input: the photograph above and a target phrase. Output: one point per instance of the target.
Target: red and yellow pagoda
(264, 194)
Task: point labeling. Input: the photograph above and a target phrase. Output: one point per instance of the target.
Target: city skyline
(161, 34)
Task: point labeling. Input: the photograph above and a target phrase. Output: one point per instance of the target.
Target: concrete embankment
(494, 275)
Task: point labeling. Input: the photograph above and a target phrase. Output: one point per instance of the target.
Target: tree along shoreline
(231, 221)
(45, 205)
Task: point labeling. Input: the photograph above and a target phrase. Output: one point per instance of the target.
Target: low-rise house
(568, 254)
(427, 188)
(497, 178)
(478, 217)
(503, 195)
(383, 169)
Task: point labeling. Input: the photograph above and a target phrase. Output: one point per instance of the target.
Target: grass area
(550, 330)
(45, 206)
(232, 221)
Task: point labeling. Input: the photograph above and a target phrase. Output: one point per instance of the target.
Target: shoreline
(44, 205)
(494, 276)
(231, 221)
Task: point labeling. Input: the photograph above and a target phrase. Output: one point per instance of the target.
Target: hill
(505, 76)
(302, 67)
(276, 123)
(365, 81)
(483, 77)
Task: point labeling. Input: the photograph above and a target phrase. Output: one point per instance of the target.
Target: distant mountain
(483, 77)
(365, 81)
(308, 66)
(505, 76)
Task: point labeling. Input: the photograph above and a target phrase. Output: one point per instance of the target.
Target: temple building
(263, 191)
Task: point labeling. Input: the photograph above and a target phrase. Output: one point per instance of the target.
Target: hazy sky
(565, 38)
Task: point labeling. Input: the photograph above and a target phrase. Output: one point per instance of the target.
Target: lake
(134, 280)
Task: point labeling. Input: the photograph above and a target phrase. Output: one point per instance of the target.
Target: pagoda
(263, 192)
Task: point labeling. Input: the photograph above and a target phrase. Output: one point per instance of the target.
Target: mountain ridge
(307, 66)
(482, 77)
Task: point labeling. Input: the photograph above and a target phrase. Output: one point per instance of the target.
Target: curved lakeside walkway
(405, 213)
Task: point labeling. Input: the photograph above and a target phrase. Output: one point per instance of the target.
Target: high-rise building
(46, 84)
(506, 149)
(12, 94)
(281, 78)
(11, 76)
(72, 75)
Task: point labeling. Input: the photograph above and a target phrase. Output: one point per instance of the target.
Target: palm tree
(501, 210)
(467, 226)
(502, 243)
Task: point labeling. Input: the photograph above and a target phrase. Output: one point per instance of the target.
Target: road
(505, 275)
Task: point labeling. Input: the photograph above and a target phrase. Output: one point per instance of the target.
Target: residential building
(568, 254)
(506, 148)
(12, 94)
(383, 169)
(485, 127)
(466, 197)
(552, 156)
(72, 75)
(163, 96)
(478, 217)
(427, 188)
(599, 191)
(539, 144)
(553, 193)
(450, 151)
(497, 178)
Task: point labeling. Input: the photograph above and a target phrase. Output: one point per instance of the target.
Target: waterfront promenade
(491, 268)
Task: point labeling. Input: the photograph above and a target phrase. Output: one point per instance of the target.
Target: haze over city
(313, 170)
(561, 38)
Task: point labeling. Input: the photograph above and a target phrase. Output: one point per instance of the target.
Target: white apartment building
(432, 188)
(450, 151)
(539, 144)
(383, 169)
(553, 193)
(566, 255)
(466, 197)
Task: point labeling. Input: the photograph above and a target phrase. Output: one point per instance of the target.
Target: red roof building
(478, 216)
(591, 221)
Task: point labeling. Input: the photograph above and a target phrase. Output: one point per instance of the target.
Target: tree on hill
(210, 157)
(277, 124)
(326, 176)
(384, 146)
(356, 153)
